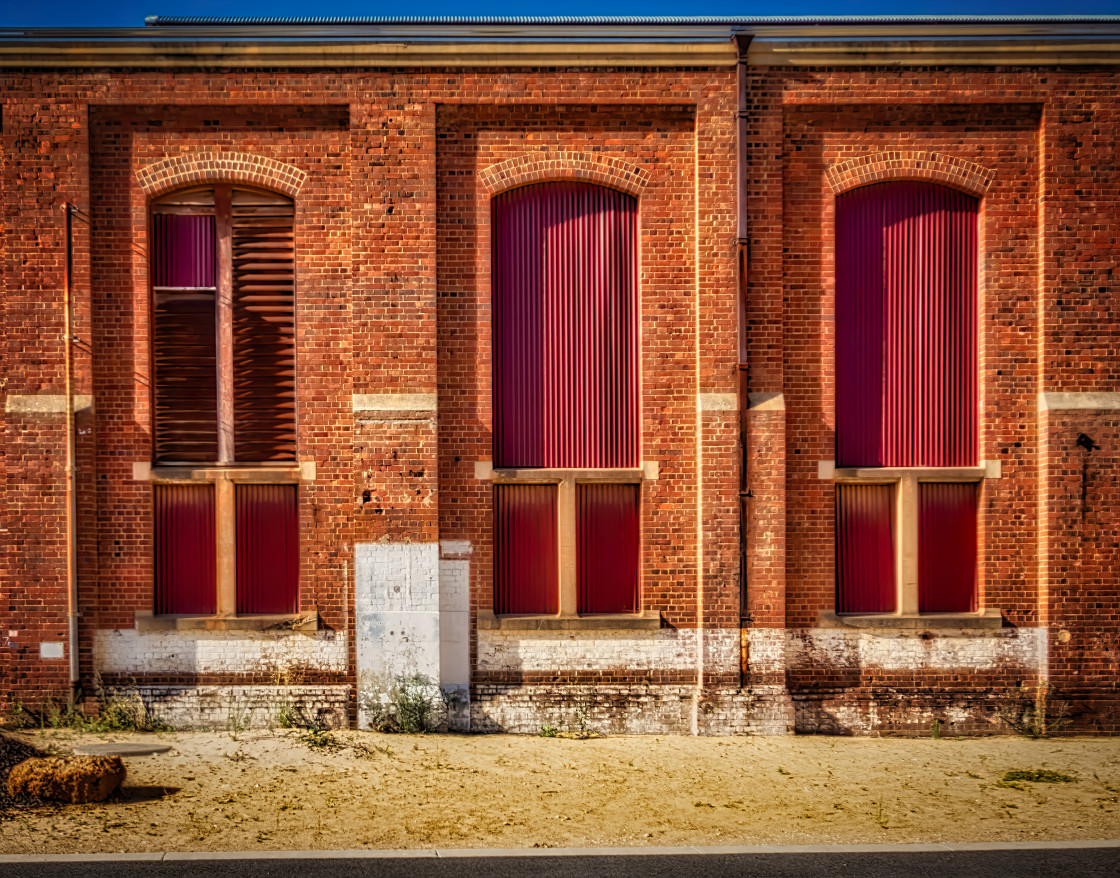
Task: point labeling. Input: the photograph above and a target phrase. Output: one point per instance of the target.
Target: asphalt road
(1074, 862)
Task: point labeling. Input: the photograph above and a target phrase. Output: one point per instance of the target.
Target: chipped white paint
(766, 650)
(1072, 401)
(612, 710)
(667, 649)
(397, 610)
(891, 650)
(454, 637)
(767, 402)
(394, 402)
(770, 712)
(455, 547)
(718, 402)
(257, 707)
(127, 651)
(44, 403)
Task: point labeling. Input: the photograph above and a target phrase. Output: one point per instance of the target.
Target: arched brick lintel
(933, 167)
(220, 167)
(540, 167)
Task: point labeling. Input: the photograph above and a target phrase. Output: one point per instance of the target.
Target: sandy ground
(271, 790)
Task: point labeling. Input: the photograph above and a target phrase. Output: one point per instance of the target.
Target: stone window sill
(305, 622)
(650, 620)
(986, 619)
(870, 474)
(266, 473)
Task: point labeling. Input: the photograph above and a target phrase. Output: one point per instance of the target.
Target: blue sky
(130, 13)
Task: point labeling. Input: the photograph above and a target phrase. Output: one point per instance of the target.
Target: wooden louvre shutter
(264, 362)
(185, 385)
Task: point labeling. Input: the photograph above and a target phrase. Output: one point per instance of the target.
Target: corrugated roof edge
(623, 20)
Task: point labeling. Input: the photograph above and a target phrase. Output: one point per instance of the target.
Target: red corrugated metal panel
(526, 554)
(906, 333)
(185, 538)
(267, 549)
(865, 581)
(947, 548)
(607, 526)
(184, 339)
(565, 282)
(183, 251)
(264, 360)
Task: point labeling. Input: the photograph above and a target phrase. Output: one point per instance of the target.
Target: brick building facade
(391, 140)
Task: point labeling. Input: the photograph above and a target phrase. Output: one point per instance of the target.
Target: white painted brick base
(127, 651)
(668, 649)
(917, 650)
(242, 707)
(631, 710)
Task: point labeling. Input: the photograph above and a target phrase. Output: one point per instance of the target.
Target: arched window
(906, 395)
(223, 394)
(566, 397)
(223, 326)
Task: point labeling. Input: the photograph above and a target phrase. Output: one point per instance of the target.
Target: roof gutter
(582, 42)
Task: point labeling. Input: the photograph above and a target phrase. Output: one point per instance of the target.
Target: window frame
(905, 483)
(225, 472)
(567, 480)
(222, 211)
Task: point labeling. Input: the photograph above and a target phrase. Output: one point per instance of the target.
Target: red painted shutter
(906, 281)
(865, 581)
(947, 548)
(267, 549)
(565, 327)
(526, 562)
(607, 525)
(183, 338)
(264, 362)
(185, 565)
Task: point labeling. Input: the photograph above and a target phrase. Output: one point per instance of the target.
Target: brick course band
(214, 167)
(910, 165)
(539, 167)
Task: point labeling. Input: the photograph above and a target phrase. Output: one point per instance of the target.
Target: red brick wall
(1047, 217)
(375, 147)
(660, 140)
(394, 297)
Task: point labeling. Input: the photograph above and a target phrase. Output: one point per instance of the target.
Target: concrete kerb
(436, 853)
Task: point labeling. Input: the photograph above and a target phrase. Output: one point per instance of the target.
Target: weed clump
(1037, 775)
(119, 711)
(1034, 711)
(408, 703)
